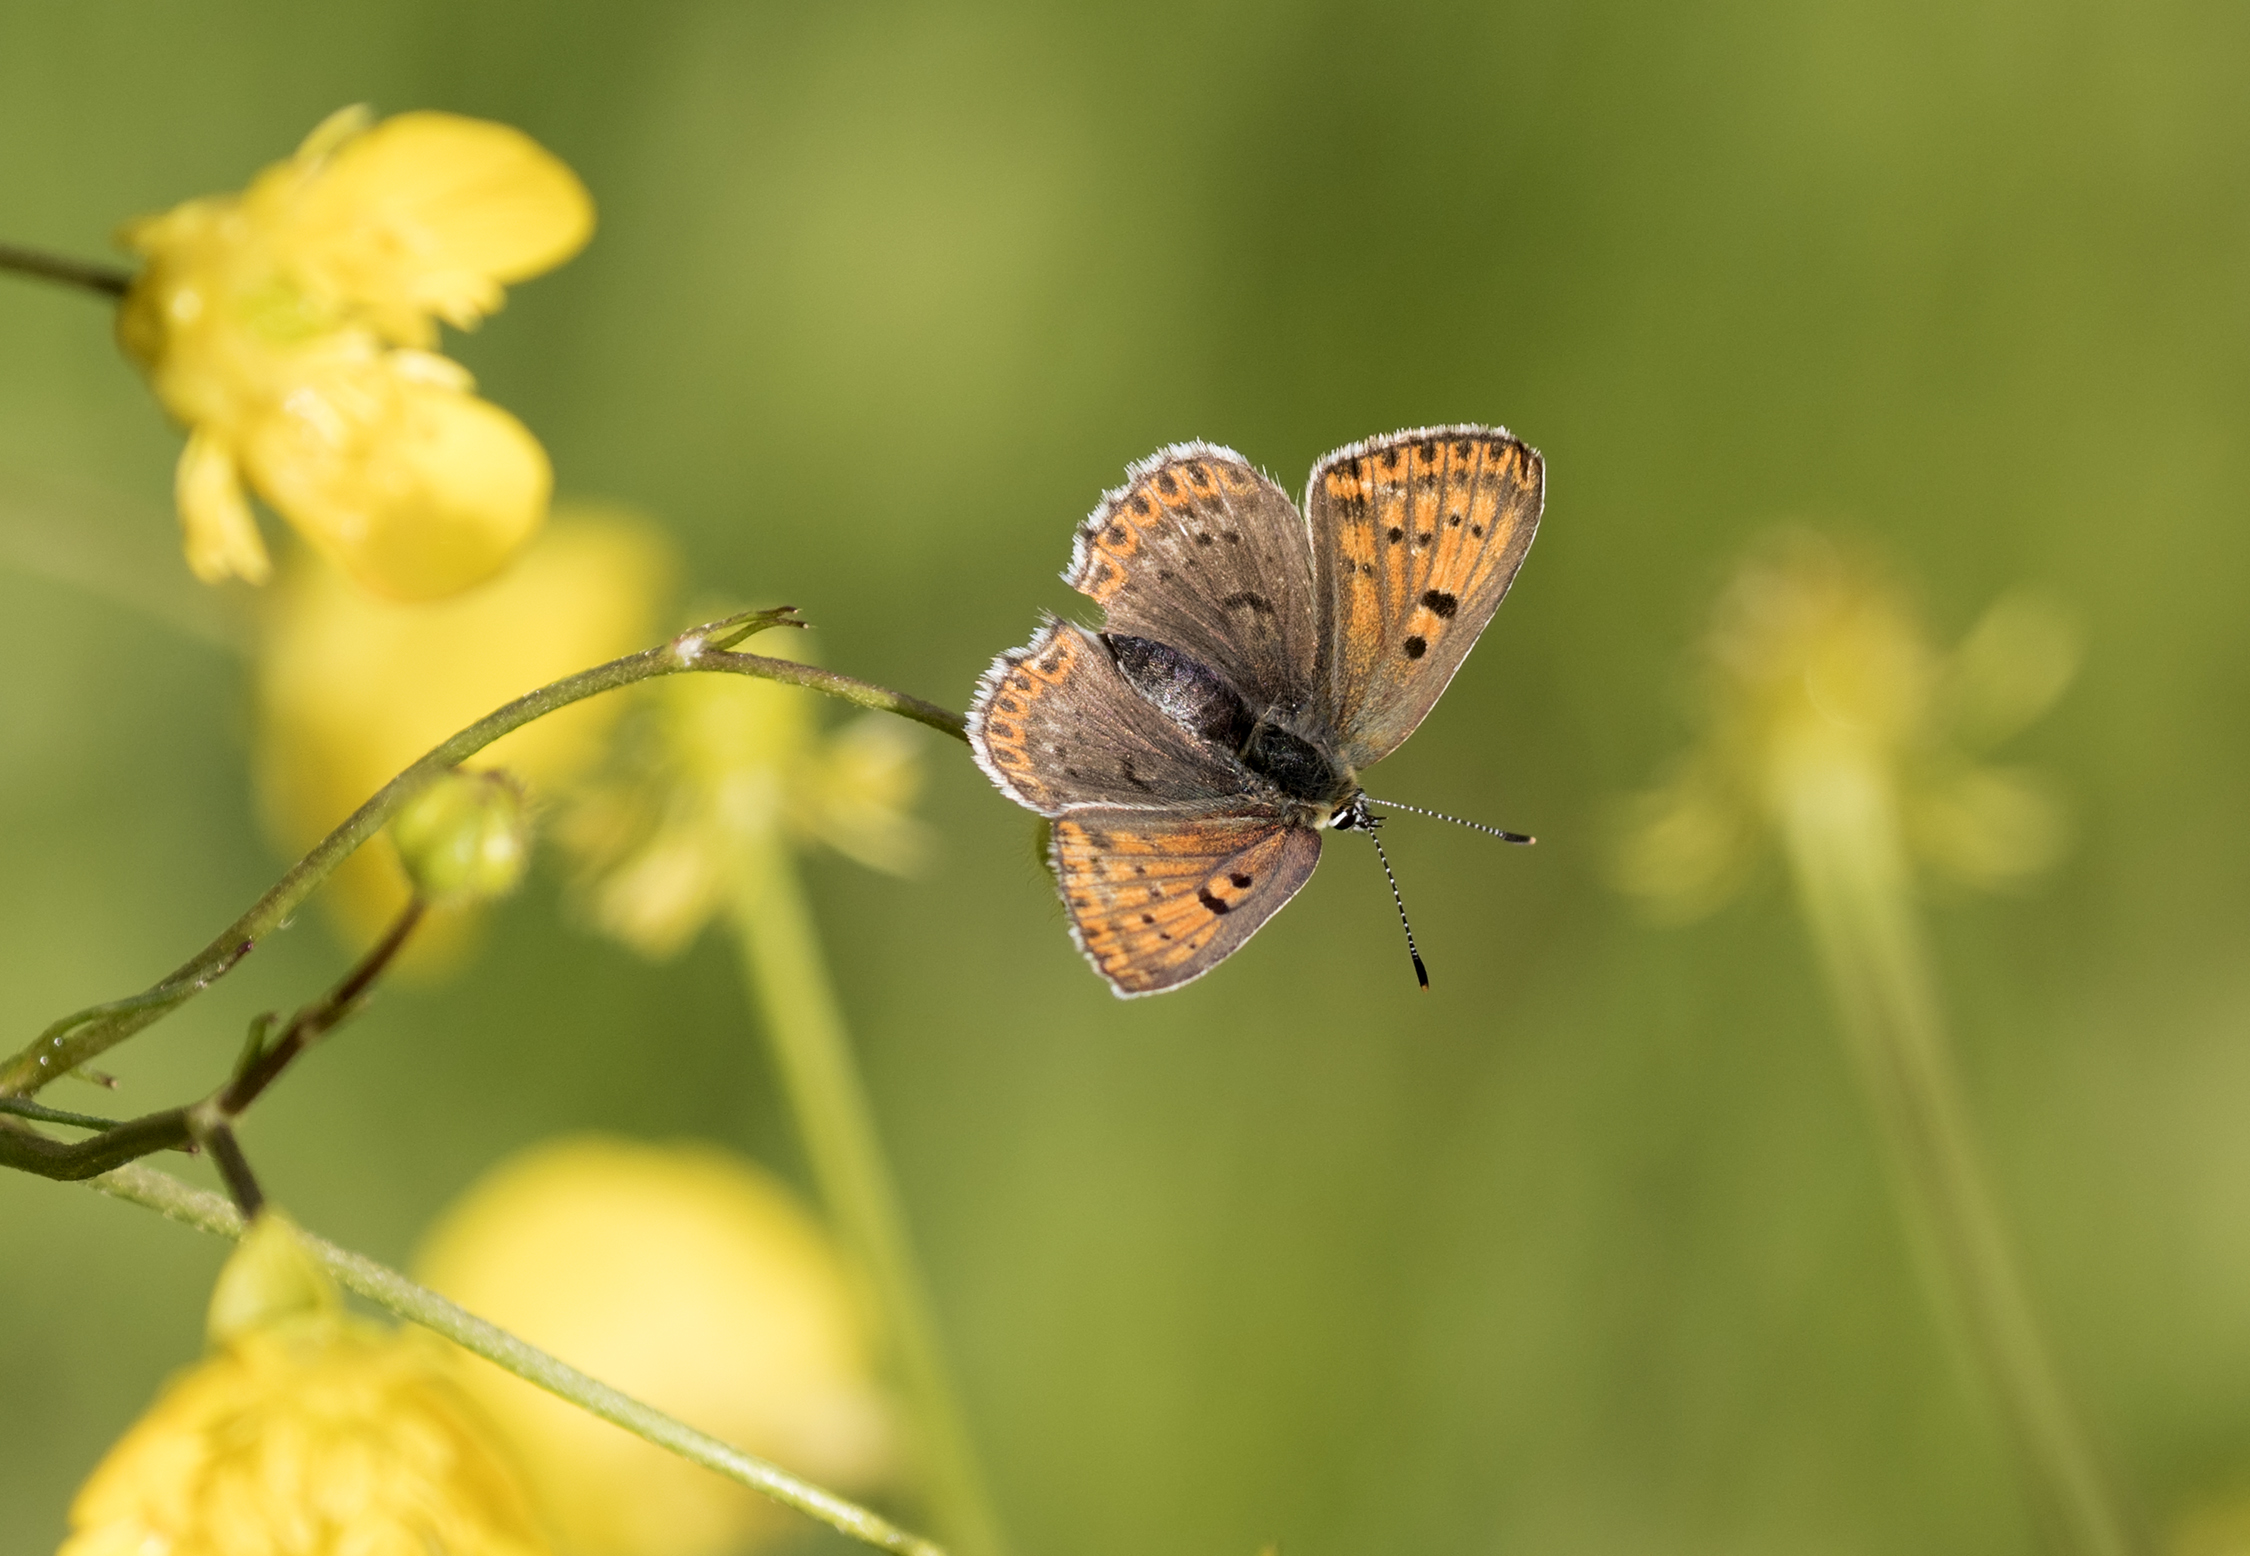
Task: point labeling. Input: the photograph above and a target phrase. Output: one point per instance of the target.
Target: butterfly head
(1354, 815)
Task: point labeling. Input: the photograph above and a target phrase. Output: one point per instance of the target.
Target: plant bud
(466, 838)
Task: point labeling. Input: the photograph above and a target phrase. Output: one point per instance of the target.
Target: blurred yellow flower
(723, 764)
(305, 1431)
(350, 689)
(290, 328)
(1820, 685)
(689, 1279)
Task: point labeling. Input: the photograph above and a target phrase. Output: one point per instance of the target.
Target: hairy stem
(107, 280)
(788, 979)
(82, 1035)
(1852, 882)
(390, 1290)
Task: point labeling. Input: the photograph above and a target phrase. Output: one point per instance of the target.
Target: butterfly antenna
(1421, 973)
(1473, 826)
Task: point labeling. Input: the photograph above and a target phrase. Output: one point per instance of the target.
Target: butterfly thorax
(1268, 742)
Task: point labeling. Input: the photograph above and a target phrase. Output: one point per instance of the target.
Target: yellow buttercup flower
(725, 763)
(305, 1431)
(290, 328)
(350, 689)
(1821, 688)
(687, 1278)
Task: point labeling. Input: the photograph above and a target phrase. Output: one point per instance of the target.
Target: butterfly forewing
(1416, 538)
(1055, 725)
(1199, 551)
(1157, 901)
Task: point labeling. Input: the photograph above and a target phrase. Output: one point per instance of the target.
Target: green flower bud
(466, 838)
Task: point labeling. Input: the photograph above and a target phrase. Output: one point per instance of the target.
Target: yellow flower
(689, 1279)
(305, 1431)
(723, 763)
(290, 328)
(1819, 682)
(350, 690)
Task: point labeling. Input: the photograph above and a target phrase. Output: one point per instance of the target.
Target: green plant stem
(788, 981)
(107, 280)
(85, 1034)
(390, 1290)
(1852, 880)
(205, 1125)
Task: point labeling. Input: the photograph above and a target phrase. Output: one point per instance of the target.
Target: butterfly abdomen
(1190, 693)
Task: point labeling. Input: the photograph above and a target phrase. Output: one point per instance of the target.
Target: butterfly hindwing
(1156, 901)
(1055, 725)
(1416, 538)
(1199, 551)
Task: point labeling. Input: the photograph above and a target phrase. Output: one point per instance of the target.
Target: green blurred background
(1588, 1249)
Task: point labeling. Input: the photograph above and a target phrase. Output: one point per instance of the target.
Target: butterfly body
(1254, 659)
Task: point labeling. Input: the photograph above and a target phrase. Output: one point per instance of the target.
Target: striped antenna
(1421, 973)
(1473, 826)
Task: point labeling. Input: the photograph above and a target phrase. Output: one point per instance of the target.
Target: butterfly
(1253, 659)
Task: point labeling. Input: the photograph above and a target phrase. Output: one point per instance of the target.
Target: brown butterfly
(1253, 660)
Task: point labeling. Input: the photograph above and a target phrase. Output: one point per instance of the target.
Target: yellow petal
(688, 1278)
(415, 488)
(2018, 659)
(1987, 827)
(659, 897)
(1684, 847)
(459, 487)
(332, 132)
(433, 212)
(222, 538)
(330, 1436)
(863, 793)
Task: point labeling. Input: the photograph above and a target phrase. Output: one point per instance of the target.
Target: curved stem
(82, 1035)
(789, 982)
(844, 687)
(390, 1290)
(108, 280)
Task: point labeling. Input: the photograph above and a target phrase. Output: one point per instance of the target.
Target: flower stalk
(207, 1125)
(104, 280)
(79, 1037)
(1841, 835)
(788, 981)
(1835, 728)
(396, 1294)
